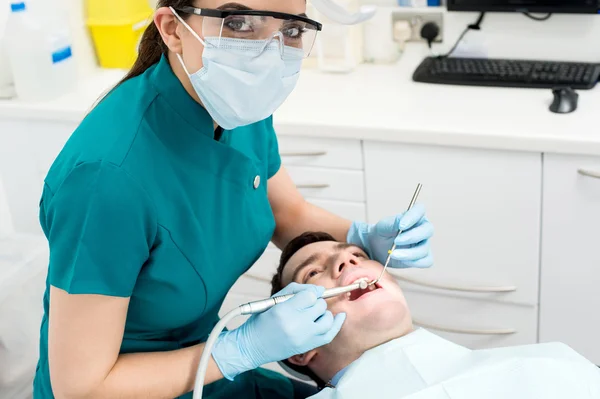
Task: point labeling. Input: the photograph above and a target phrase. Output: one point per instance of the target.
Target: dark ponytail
(151, 49)
(152, 46)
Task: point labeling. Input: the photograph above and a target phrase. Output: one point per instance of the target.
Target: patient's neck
(341, 353)
(326, 364)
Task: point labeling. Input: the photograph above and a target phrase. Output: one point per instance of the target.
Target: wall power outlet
(417, 17)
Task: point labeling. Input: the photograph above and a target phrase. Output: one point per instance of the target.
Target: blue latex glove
(296, 326)
(412, 246)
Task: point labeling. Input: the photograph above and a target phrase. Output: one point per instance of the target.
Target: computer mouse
(565, 100)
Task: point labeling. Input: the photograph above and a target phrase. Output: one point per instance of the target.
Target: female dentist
(169, 190)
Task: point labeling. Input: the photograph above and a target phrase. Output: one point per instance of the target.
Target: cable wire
(536, 18)
(475, 26)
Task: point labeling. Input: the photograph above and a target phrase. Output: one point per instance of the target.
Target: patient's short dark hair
(277, 284)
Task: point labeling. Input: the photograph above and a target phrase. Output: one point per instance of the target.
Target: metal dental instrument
(247, 309)
(389, 257)
(266, 304)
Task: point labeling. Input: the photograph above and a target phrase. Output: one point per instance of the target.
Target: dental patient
(380, 354)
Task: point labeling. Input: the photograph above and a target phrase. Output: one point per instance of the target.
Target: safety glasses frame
(207, 12)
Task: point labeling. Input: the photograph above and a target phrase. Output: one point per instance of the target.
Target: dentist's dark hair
(277, 285)
(152, 46)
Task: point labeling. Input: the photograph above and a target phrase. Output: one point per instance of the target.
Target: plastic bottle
(40, 55)
(7, 89)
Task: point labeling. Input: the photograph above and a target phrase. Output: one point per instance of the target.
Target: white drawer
(348, 210)
(485, 206)
(333, 184)
(474, 324)
(570, 278)
(328, 153)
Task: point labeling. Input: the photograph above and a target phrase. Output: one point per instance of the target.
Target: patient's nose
(346, 260)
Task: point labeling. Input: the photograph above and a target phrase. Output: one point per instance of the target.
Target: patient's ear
(303, 359)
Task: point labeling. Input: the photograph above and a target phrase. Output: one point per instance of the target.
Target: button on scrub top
(143, 202)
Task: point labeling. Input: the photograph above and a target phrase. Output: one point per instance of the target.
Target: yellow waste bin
(116, 27)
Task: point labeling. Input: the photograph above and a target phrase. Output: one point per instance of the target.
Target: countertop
(381, 102)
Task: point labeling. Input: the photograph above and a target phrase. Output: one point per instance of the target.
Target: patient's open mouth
(356, 294)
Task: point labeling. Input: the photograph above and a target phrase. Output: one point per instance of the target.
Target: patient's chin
(388, 317)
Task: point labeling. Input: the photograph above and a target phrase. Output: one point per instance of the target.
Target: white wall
(512, 35)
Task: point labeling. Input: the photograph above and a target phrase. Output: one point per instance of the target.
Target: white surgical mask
(240, 85)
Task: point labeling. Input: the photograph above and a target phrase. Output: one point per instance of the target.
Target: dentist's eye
(238, 24)
(294, 32)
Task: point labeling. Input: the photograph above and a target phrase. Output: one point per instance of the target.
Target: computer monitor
(531, 6)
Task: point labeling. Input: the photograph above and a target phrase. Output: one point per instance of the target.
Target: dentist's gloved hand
(296, 326)
(412, 246)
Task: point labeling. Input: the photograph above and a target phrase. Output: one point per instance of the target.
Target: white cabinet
(475, 324)
(570, 281)
(486, 207)
(484, 289)
(322, 152)
(332, 184)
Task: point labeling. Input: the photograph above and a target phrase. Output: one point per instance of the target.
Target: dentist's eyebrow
(234, 6)
(241, 7)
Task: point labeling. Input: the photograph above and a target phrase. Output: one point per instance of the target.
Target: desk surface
(381, 102)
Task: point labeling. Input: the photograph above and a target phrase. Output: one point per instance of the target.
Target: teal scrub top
(143, 202)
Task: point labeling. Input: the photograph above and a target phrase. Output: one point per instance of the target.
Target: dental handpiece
(266, 304)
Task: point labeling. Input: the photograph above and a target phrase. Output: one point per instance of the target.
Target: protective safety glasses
(294, 32)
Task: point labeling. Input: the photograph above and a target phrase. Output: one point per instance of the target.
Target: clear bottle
(7, 89)
(40, 55)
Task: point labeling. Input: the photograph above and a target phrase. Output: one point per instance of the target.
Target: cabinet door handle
(304, 154)
(482, 290)
(313, 186)
(495, 331)
(589, 173)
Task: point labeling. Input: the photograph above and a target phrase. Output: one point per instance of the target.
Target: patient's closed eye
(311, 274)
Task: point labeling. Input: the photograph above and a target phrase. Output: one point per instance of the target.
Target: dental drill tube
(206, 353)
(248, 309)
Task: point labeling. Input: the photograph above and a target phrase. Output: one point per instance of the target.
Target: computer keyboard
(507, 73)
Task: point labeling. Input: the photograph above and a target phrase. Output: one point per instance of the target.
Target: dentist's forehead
(287, 6)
